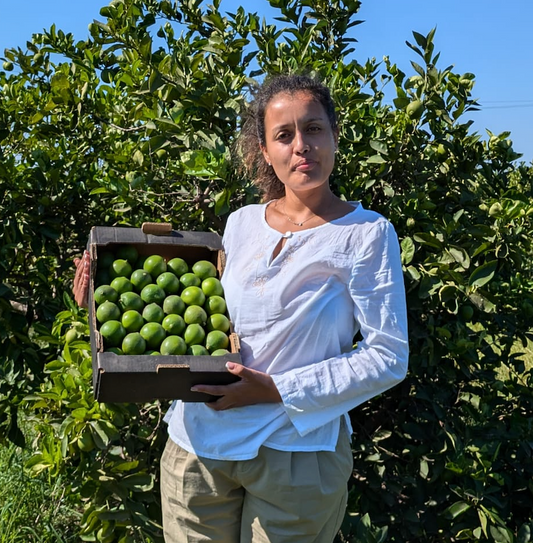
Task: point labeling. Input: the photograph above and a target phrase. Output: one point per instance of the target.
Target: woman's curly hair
(252, 136)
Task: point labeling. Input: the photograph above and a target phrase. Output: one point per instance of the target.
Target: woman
(269, 460)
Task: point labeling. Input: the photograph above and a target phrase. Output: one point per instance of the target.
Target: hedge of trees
(137, 122)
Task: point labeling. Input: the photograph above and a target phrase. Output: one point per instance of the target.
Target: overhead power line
(505, 104)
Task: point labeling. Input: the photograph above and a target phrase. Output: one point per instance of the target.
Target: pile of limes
(148, 305)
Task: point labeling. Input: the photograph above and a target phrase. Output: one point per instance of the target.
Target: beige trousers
(277, 497)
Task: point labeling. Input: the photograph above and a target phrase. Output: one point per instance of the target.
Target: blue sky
(489, 38)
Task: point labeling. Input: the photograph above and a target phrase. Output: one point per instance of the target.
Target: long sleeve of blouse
(318, 393)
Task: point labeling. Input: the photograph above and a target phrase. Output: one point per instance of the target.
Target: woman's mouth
(305, 165)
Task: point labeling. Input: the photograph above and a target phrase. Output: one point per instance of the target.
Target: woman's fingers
(80, 288)
(252, 388)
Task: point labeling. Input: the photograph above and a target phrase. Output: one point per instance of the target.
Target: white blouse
(296, 316)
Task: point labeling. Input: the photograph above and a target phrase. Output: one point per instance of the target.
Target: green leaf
(80, 413)
(408, 250)
(455, 510)
(100, 190)
(375, 159)
(501, 534)
(483, 521)
(125, 466)
(139, 481)
(483, 274)
(427, 239)
(459, 255)
(524, 534)
(418, 69)
(222, 200)
(424, 469)
(379, 146)
(138, 157)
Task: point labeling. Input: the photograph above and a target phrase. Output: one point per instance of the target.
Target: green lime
(212, 287)
(153, 333)
(220, 352)
(194, 334)
(174, 324)
(204, 269)
(152, 353)
(193, 296)
(169, 283)
(415, 109)
(194, 314)
(215, 304)
(153, 294)
(120, 268)
(133, 344)
(190, 280)
(72, 335)
(153, 313)
(85, 441)
(466, 312)
(132, 321)
(122, 284)
(173, 305)
(114, 350)
(217, 321)
(130, 300)
(216, 340)
(155, 265)
(129, 253)
(197, 350)
(140, 278)
(104, 260)
(173, 345)
(108, 311)
(113, 333)
(177, 266)
(105, 293)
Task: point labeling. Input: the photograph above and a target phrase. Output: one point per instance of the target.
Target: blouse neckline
(289, 234)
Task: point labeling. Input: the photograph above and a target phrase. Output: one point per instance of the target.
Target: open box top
(141, 378)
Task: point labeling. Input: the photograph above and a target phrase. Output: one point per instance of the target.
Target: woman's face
(299, 141)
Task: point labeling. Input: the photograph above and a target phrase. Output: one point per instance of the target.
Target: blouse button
(287, 234)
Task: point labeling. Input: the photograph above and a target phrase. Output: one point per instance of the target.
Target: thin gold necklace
(294, 222)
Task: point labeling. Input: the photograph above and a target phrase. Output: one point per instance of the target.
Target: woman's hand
(254, 387)
(80, 288)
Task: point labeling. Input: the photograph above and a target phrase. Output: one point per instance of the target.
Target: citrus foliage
(137, 122)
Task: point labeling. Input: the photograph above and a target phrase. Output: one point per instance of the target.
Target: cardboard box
(143, 378)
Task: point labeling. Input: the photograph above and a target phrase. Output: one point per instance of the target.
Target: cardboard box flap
(104, 235)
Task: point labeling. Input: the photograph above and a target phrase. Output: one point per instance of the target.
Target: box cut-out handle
(156, 228)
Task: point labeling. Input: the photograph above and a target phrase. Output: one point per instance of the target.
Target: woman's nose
(300, 143)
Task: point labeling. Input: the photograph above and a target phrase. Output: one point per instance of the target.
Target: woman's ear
(265, 155)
